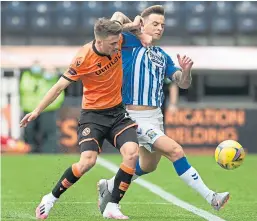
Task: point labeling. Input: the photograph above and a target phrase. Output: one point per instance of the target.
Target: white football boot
(219, 200)
(112, 211)
(45, 206)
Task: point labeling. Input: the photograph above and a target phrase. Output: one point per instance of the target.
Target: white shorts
(150, 126)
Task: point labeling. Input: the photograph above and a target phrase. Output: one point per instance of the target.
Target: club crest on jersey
(86, 131)
(157, 59)
(99, 65)
(78, 61)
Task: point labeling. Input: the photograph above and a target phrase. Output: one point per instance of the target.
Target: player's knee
(179, 154)
(87, 161)
(129, 151)
(176, 153)
(132, 154)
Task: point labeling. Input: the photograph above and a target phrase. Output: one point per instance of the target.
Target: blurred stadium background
(221, 37)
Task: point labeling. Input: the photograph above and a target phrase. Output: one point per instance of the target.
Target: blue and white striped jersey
(144, 70)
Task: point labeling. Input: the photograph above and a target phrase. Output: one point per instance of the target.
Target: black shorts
(97, 125)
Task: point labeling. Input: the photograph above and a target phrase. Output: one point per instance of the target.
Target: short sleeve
(170, 67)
(130, 40)
(76, 70)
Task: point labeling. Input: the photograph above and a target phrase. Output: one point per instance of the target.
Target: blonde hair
(155, 9)
(105, 27)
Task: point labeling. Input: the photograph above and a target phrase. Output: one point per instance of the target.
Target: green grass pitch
(25, 179)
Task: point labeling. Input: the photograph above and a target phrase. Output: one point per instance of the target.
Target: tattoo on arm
(176, 77)
(120, 18)
(126, 23)
(182, 79)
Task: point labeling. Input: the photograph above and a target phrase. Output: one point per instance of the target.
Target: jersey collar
(98, 52)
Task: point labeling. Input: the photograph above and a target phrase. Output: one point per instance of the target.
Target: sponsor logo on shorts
(127, 116)
(86, 131)
(151, 134)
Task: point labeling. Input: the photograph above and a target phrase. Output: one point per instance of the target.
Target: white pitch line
(162, 193)
(85, 202)
(19, 215)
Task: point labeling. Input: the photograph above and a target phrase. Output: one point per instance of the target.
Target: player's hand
(185, 62)
(138, 22)
(146, 40)
(28, 117)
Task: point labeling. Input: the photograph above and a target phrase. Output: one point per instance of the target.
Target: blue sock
(181, 165)
(139, 171)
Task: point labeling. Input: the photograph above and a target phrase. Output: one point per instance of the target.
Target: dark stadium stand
(189, 23)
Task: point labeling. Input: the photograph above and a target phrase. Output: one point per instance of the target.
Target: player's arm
(173, 94)
(50, 96)
(126, 23)
(73, 73)
(183, 77)
(133, 27)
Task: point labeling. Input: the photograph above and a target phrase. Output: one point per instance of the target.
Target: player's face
(110, 44)
(154, 26)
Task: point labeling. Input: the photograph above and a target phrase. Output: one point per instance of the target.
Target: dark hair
(155, 9)
(105, 27)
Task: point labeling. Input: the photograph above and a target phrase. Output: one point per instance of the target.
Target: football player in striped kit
(144, 70)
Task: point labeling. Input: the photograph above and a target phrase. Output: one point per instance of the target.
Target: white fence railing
(10, 107)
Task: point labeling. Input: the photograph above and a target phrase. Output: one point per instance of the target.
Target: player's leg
(125, 139)
(153, 134)
(89, 150)
(147, 162)
(174, 152)
(148, 158)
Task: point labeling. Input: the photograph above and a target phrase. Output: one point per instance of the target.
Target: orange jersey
(101, 76)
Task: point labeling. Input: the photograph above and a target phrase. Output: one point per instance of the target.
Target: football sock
(121, 182)
(139, 172)
(70, 176)
(192, 178)
(110, 183)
